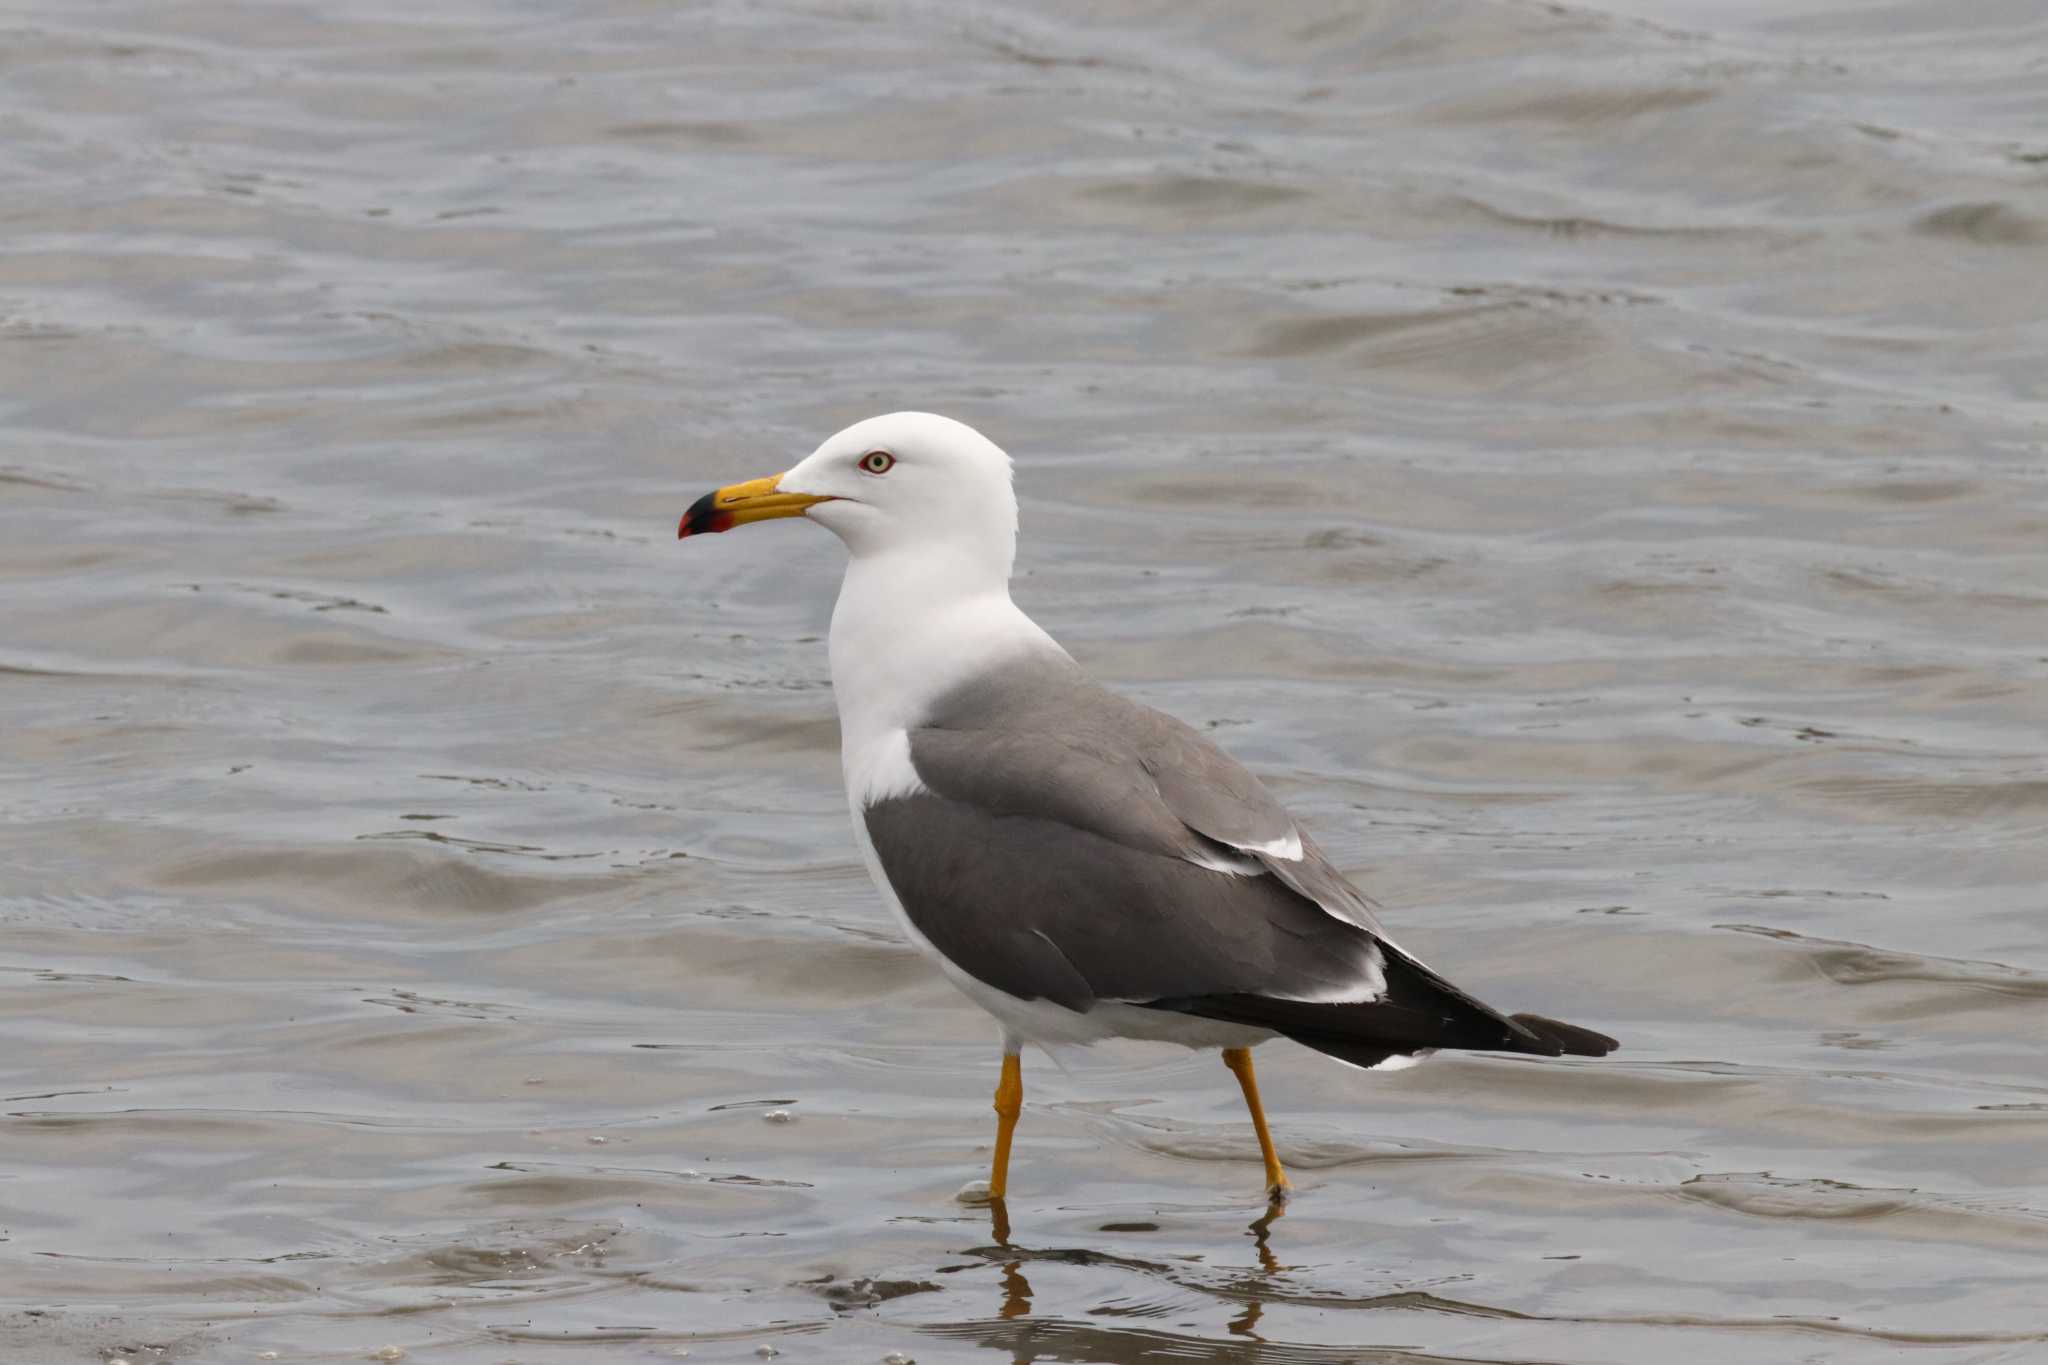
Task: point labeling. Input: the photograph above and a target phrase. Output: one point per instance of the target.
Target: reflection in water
(1261, 1230)
(1244, 1322)
(1177, 1287)
(1016, 1292)
(1016, 1289)
(1057, 1339)
(1262, 1235)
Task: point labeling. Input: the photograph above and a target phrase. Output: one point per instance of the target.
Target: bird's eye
(877, 462)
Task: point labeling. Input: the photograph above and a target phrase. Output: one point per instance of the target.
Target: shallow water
(1593, 460)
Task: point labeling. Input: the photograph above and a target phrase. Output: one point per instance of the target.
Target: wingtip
(1569, 1039)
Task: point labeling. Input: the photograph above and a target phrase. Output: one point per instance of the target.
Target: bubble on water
(778, 1116)
(766, 1352)
(267, 1355)
(388, 1353)
(975, 1192)
(897, 1358)
(596, 1141)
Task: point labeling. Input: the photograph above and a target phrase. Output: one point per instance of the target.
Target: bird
(1080, 866)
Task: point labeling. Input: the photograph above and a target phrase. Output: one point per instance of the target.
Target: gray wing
(1167, 788)
(1069, 846)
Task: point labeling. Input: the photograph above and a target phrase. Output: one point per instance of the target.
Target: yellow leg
(1239, 1060)
(1009, 1104)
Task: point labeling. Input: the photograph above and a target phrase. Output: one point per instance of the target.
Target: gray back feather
(1053, 855)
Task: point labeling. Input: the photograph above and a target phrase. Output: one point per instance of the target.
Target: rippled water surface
(1593, 460)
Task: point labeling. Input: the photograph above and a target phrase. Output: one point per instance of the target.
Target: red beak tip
(696, 524)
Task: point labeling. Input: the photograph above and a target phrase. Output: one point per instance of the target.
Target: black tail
(1569, 1039)
(1420, 1011)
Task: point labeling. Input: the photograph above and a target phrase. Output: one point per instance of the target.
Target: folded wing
(1072, 846)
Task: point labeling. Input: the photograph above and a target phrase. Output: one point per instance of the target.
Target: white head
(905, 482)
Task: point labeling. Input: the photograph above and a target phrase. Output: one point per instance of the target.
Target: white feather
(1287, 848)
(1400, 1061)
(879, 770)
(1216, 862)
(1363, 991)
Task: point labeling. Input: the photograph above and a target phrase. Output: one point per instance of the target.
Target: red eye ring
(877, 462)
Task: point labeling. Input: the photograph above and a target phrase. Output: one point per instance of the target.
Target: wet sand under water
(1594, 462)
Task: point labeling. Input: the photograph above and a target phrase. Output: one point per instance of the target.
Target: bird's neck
(908, 629)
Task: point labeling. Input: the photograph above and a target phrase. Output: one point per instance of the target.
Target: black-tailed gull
(1081, 866)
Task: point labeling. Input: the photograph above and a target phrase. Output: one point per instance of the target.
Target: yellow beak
(739, 503)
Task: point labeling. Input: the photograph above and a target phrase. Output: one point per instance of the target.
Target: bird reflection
(1262, 1236)
(1016, 1289)
(1245, 1324)
(1016, 1292)
(1016, 1286)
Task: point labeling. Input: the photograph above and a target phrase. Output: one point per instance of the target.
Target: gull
(1081, 866)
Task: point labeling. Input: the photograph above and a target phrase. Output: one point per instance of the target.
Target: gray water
(1593, 461)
